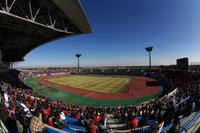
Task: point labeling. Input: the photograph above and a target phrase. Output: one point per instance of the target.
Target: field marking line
(88, 94)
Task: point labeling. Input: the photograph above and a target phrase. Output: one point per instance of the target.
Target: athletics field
(96, 90)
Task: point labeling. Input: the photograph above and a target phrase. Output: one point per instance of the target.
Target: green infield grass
(106, 84)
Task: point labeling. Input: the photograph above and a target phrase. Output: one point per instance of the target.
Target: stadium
(103, 99)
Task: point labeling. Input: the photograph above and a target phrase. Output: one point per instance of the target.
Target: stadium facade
(28, 24)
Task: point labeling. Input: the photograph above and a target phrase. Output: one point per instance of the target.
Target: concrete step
(117, 126)
(110, 115)
(113, 121)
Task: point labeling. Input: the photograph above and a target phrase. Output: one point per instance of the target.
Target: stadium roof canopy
(27, 24)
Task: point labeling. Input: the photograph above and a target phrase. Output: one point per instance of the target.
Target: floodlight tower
(78, 56)
(149, 50)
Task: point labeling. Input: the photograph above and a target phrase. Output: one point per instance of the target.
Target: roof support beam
(52, 22)
(8, 8)
(11, 5)
(50, 19)
(33, 16)
(30, 8)
(6, 3)
(44, 25)
(36, 14)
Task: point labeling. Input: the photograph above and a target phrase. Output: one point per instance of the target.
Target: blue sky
(121, 31)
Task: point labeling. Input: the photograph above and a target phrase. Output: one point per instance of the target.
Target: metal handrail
(190, 125)
(183, 129)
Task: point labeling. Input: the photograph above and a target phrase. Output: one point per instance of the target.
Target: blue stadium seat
(53, 130)
(69, 130)
(77, 128)
(50, 130)
(71, 120)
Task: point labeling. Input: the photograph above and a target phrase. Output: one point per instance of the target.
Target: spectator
(82, 119)
(157, 127)
(58, 122)
(91, 127)
(36, 125)
(176, 126)
(103, 124)
(50, 122)
(134, 122)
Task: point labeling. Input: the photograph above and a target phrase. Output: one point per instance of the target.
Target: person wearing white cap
(6, 98)
(62, 116)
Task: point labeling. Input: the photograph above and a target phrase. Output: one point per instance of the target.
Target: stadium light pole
(78, 56)
(149, 50)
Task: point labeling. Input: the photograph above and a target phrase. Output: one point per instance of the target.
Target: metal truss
(32, 16)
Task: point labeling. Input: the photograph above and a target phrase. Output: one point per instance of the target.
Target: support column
(78, 67)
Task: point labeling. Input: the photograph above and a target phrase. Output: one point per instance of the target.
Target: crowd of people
(25, 111)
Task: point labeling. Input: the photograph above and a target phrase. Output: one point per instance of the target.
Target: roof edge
(75, 12)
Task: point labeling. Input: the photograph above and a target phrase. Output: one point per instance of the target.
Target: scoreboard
(182, 64)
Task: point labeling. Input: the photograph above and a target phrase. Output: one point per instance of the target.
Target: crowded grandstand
(23, 110)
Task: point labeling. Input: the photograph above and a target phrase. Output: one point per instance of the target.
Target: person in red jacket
(50, 122)
(134, 122)
(77, 115)
(97, 118)
(91, 127)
